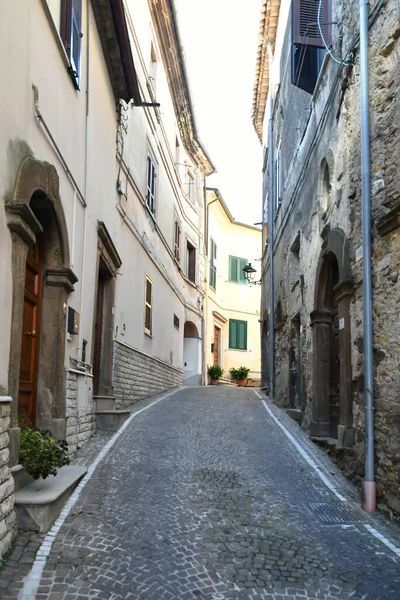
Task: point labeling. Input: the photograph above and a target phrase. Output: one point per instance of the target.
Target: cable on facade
(340, 62)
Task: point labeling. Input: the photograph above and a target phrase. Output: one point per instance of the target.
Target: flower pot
(214, 381)
(241, 382)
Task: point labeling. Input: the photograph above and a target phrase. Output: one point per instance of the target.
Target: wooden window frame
(71, 36)
(151, 181)
(148, 305)
(236, 323)
(239, 271)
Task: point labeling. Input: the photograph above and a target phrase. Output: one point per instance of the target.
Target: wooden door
(98, 333)
(334, 396)
(217, 332)
(29, 364)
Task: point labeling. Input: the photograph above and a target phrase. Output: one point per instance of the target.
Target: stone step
(104, 403)
(38, 504)
(111, 420)
(295, 413)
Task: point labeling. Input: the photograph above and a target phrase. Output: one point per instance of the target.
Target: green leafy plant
(239, 374)
(40, 453)
(215, 371)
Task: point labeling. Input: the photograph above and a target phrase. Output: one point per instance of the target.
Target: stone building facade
(101, 219)
(317, 254)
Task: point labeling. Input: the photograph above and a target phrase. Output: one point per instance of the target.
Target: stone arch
(330, 320)
(190, 330)
(191, 354)
(325, 187)
(35, 216)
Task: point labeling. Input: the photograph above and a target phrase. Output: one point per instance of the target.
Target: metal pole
(271, 235)
(369, 483)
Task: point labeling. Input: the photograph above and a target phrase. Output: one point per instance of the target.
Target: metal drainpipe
(369, 483)
(271, 236)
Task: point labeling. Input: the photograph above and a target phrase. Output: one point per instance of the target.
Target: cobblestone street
(205, 496)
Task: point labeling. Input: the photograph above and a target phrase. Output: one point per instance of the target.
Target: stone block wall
(8, 524)
(138, 375)
(80, 418)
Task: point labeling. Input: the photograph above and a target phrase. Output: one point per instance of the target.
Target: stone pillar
(344, 291)
(321, 322)
(8, 525)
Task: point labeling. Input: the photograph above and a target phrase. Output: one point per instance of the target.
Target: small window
(177, 241)
(191, 262)
(151, 184)
(148, 306)
(213, 268)
(190, 184)
(176, 322)
(278, 177)
(236, 265)
(237, 334)
(70, 32)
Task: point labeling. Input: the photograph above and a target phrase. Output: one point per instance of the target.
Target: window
(176, 322)
(308, 49)
(70, 32)
(236, 265)
(148, 306)
(177, 153)
(237, 334)
(151, 184)
(191, 262)
(278, 177)
(189, 184)
(177, 240)
(213, 268)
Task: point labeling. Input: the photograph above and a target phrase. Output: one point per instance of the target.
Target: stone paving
(204, 497)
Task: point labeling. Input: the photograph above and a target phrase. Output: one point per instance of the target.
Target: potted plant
(40, 454)
(215, 372)
(239, 375)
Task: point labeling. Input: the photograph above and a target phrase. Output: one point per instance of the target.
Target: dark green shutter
(242, 263)
(237, 334)
(233, 268)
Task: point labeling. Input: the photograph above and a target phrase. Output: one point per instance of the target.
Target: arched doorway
(332, 404)
(42, 282)
(191, 354)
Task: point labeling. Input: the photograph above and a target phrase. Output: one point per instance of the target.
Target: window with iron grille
(237, 334)
(213, 268)
(176, 321)
(191, 262)
(151, 184)
(236, 274)
(148, 306)
(70, 32)
(177, 241)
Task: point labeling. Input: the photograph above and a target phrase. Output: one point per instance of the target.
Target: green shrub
(239, 374)
(215, 371)
(41, 454)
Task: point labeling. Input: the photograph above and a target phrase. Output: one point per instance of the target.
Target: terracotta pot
(214, 381)
(241, 382)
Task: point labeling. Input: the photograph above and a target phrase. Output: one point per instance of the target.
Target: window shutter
(243, 263)
(76, 19)
(232, 333)
(242, 335)
(233, 266)
(305, 22)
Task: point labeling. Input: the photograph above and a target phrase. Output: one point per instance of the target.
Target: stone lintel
(109, 245)
(22, 221)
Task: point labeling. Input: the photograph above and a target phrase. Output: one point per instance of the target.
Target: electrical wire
(340, 62)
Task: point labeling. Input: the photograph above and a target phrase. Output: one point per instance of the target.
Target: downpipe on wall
(369, 504)
(271, 234)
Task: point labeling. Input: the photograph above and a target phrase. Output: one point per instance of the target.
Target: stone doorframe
(336, 244)
(109, 261)
(39, 180)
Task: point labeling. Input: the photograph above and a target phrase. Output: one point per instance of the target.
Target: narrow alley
(212, 494)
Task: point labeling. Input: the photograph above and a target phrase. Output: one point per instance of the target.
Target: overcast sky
(220, 40)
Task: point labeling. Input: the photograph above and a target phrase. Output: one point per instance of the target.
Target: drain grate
(332, 513)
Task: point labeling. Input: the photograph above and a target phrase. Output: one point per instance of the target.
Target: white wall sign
(341, 323)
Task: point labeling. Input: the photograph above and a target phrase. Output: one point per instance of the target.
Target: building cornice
(267, 36)
(165, 21)
(224, 206)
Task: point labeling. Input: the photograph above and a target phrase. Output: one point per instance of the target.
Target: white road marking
(32, 580)
(311, 462)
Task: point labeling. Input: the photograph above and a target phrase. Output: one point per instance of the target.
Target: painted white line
(384, 540)
(32, 580)
(303, 453)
